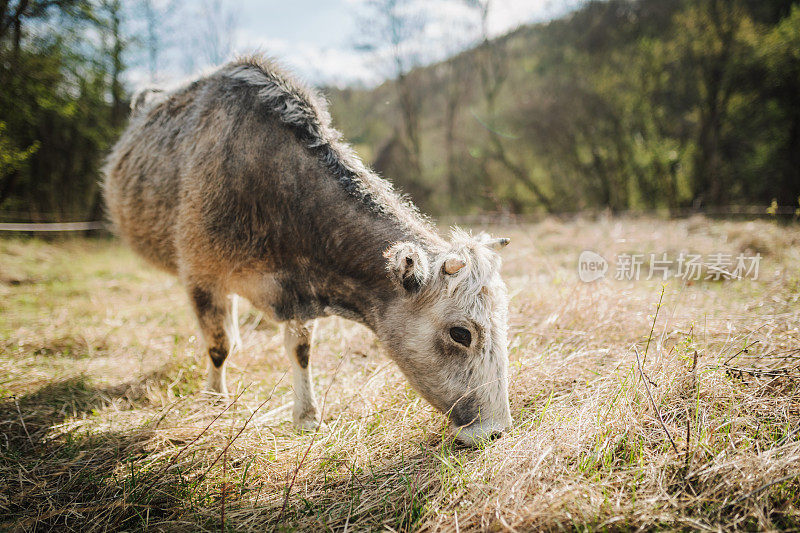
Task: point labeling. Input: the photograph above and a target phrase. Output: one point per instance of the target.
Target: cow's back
(192, 170)
(143, 177)
(241, 170)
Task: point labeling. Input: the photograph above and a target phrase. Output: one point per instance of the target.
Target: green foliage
(56, 107)
(645, 104)
(11, 158)
(622, 104)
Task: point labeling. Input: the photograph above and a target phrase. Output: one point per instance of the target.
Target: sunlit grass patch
(105, 426)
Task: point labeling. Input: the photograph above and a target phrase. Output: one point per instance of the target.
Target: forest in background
(622, 104)
(626, 105)
(65, 89)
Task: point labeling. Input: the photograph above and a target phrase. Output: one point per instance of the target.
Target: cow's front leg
(297, 340)
(217, 316)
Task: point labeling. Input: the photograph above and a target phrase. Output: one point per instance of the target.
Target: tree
(157, 15)
(111, 20)
(12, 161)
(392, 30)
(55, 104)
(456, 73)
(493, 63)
(779, 52)
(216, 29)
(714, 47)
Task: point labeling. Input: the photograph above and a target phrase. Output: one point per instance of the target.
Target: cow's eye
(461, 336)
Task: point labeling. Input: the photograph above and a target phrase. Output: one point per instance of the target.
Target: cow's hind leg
(217, 316)
(297, 340)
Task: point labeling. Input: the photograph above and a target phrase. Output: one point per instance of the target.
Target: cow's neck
(346, 273)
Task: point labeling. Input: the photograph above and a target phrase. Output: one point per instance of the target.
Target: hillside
(666, 105)
(625, 104)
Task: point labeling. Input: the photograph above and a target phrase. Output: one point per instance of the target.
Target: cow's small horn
(452, 265)
(498, 244)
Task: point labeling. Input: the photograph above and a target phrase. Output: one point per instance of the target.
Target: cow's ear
(407, 265)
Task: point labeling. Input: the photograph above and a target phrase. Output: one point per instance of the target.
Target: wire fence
(783, 212)
(52, 226)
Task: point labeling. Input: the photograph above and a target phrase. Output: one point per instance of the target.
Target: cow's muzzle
(480, 432)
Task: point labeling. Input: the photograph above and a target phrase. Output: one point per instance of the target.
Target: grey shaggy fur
(237, 183)
(305, 111)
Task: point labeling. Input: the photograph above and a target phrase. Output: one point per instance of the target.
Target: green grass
(105, 426)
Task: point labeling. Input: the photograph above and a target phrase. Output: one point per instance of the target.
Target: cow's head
(447, 330)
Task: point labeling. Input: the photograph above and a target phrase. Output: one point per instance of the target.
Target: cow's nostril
(495, 435)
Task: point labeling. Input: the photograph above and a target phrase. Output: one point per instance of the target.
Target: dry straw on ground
(104, 426)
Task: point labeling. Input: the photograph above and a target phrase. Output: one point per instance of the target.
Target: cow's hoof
(215, 384)
(308, 425)
(210, 389)
(215, 397)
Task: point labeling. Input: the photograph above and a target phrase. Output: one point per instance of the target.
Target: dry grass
(104, 426)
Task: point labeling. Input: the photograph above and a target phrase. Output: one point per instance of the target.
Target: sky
(318, 39)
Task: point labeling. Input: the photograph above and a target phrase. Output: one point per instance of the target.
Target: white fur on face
(470, 384)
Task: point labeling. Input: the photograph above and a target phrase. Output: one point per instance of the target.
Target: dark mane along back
(305, 111)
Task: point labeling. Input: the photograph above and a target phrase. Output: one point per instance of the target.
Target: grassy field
(105, 427)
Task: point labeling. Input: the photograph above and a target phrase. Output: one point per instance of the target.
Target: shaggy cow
(238, 184)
